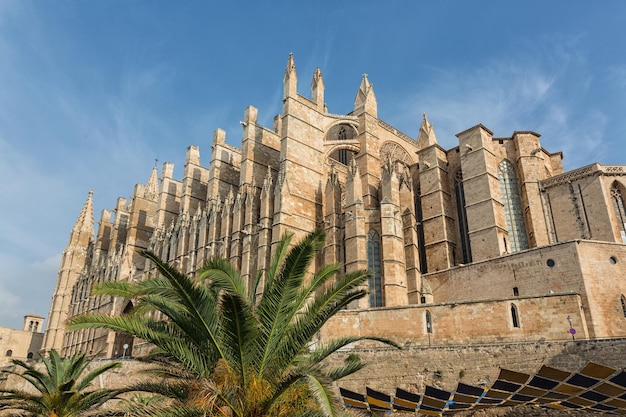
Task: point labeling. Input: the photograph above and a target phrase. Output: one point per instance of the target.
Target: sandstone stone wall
(538, 318)
(414, 367)
(20, 343)
(443, 367)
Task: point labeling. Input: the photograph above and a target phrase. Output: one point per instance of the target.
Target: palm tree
(57, 391)
(226, 352)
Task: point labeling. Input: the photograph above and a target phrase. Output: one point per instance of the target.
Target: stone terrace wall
(414, 367)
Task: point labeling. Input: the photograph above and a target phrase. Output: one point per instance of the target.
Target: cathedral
(489, 241)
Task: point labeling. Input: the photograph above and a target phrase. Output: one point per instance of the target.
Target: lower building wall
(604, 267)
(488, 321)
(18, 344)
(534, 272)
(414, 367)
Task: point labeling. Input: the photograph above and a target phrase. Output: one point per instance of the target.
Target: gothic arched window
(622, 299)
(429, 322)
(620, 212)
(342, 155)
(459, 193)
(512, 206)
(375, 282)
(341, 135)
(514, 316)
(421, 240)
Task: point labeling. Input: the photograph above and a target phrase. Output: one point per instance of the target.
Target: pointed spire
(388, 165)
(354, 187)
(354, 167)
(405, 177)
(85, 218)
(230, 198)
(290, 79)
(365, 97)
(317, 88)
(83, 230)
(268, 181)
(152, 187)
(427, 136)
(333, 178)
(281, 173)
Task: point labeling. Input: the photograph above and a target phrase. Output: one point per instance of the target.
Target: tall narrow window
(620, 212)
(462, 217)
(512, 206)
(514, 316)
(623, 301)
(342, 156)
(373, 264)
(421, 241)
(429, 322)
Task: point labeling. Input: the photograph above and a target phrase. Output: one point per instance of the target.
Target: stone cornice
(396, 132)
(586, 171)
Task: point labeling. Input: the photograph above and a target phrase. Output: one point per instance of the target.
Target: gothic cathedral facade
(489, 240)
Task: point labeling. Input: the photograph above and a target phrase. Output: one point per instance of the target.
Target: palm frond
(323, 351)
(189, 296)
(277, 307)
(222, 274)
(239, 331)
(58, 388)
(309, 322)
(322, 394)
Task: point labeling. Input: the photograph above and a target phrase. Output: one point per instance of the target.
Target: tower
(75, 256)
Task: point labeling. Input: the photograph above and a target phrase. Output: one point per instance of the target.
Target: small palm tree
(58, 391)
(226, 352)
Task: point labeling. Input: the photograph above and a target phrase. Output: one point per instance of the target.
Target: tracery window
(620, 211)
(341, 135)
(342, 155)
(459, 193)
(375, 283)
(514, 316)
(512, 206)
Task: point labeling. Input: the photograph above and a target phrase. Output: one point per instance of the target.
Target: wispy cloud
(538, 87)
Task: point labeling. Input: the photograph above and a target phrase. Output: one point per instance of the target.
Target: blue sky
(91, 92)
